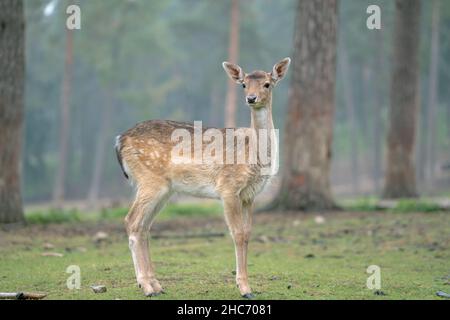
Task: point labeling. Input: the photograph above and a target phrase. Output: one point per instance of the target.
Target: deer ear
(279, 70)
(234, 71)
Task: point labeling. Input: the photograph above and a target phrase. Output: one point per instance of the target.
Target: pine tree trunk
(400, 178)
(351, 117)
(309, 125)
(233, 51)
(433, 95)
(103, 137)
(103, 141)
(12, 71)
(60, 179)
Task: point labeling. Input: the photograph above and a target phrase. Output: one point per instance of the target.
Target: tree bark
(309, 126)
(233, 52)
(12, 72)
(400, 176)
(58, 191)
(432, 96)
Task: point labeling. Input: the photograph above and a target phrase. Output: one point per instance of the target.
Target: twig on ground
(22, 295)
(186, 236)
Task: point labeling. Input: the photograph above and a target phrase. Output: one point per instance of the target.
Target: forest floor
(291, 256)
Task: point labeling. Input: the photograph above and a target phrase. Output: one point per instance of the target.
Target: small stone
(100, 236)
(48, 246)
(263, 239)
(99, 289)
(272, 278)
(309, 256)
(443, 294)
(379, 293)
(319, 219)
(289, 286)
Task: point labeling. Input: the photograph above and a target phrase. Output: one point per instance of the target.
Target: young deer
(145, 155)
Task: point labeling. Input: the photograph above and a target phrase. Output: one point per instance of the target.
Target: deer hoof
(248, 296)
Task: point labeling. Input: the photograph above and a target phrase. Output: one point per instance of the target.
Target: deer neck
(261, 118)
(262, 123)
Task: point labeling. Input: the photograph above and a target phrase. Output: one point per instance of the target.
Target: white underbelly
(197, 190)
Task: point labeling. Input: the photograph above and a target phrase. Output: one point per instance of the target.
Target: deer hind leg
(236, 216)
(149, 200)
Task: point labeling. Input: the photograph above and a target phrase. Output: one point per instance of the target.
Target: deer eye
(266, 85)
(243, 85)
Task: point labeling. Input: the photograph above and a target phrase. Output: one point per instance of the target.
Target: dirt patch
(281, 221)
(116, 228)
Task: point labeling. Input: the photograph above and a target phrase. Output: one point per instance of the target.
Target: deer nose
(251, 98)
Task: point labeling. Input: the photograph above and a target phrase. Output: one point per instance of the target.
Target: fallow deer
(145, 156)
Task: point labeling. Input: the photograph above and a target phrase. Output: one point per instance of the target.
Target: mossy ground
(291, 256)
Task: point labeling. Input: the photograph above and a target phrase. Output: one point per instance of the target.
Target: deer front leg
(138, 223)
(240, 231)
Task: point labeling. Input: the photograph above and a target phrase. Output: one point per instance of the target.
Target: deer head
(258, 84)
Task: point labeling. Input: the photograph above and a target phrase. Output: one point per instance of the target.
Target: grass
(399, 206)
(290, 257)
(206, 209)
(54, 216)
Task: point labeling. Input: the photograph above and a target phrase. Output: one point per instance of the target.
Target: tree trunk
(432, 96)
(400, 178)
(103, 137)
(378, 128)
(233, 51)
(103, 141)
(64, 128)
(309, 126)
(351, 118)
(12, 71)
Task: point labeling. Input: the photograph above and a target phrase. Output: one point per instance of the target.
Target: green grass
(206, 209)
(401, 205)
(53, 216)
(212, 209)
(290, 257)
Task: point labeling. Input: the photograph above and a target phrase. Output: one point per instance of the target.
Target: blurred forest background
(136, 60)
